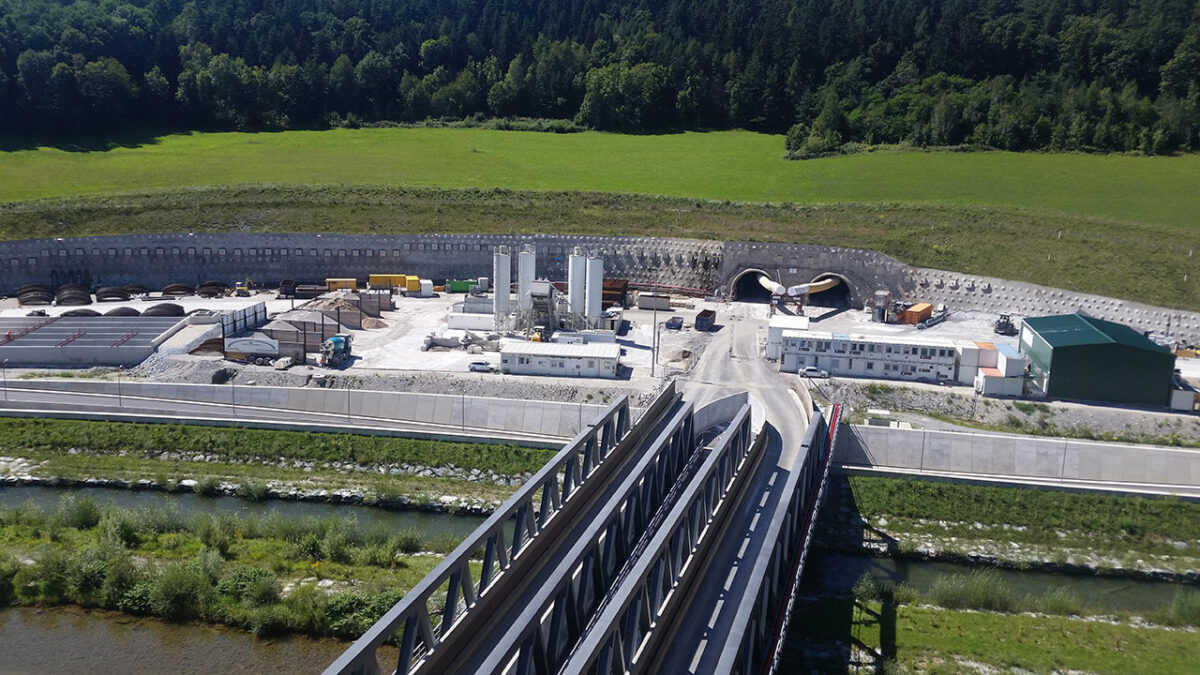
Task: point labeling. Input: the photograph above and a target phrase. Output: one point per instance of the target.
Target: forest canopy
(1106, 75)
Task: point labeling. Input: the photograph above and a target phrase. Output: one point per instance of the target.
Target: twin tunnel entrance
(754, 285)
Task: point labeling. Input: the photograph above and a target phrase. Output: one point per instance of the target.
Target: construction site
(545, 313)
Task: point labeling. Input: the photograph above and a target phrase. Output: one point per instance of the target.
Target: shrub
(335, 546)
(207, 486)
(254, 491)
(309, 546)
(136, 598)
(119, 527)
(253, 585)
(980, 589)
(307, 607)
(121, 578)
(86, 575)
(865, 589)
(349, 614)
(410, 541)
(268, 620)
(163, 519)
(181, 590)
(216, 532)
(81, 513)
(46, 581)
(1060, 601)
(8, 569)
(1185, 608)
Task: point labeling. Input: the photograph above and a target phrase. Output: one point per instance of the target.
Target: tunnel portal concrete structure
(705, 267)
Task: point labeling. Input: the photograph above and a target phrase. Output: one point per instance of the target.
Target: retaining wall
(1018, 457)
(158, 259)
(550, 418)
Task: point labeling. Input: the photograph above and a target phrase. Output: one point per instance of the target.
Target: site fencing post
(4, 366)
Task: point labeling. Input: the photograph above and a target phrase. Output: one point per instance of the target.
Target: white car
(813, 371)
(480, 367)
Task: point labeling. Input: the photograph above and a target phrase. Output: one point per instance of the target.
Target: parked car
(813, 371)
(480, 367)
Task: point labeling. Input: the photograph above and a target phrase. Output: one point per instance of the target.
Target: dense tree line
(1013, 74)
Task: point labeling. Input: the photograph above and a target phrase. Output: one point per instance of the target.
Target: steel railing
(424, 617)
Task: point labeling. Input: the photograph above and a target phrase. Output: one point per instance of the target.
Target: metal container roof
(595, 350)
(1071, 330)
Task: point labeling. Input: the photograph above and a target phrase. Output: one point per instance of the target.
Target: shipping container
(1009, 361)
(966, 374)
(917, 313)
(397, 282)
(654, 301)
(968, 355)
(460, 285)
(988, 356)
(342, 284)
(991, 382)
(412, 284)
(706, 320)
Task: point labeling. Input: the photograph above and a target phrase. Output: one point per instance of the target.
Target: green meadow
(732, 165)
(1112, 224)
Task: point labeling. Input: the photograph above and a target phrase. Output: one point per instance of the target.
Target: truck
(335, 351)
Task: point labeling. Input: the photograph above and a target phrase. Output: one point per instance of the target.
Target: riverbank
(259, 464)
(1018, 528)
(271, 574)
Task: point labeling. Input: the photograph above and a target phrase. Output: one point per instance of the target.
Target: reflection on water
(70, 640)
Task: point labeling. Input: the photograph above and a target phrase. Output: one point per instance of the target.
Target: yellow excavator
(242, 288)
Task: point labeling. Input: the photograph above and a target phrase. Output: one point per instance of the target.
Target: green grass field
(733, 165)
(1116, 225)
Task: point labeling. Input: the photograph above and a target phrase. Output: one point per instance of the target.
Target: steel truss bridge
(672, 543)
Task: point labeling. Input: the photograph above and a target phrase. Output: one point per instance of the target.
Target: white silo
(595, 289)
(576, 281)
(526, 267)
(502, 278)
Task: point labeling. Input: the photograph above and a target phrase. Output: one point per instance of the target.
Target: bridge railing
(754, 639)
(542, 638)
(670, 559)
(422, 616)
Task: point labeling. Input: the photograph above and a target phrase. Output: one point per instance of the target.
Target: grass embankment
(339, 577)
(1126, 223)
(128, 451)
(932, 640)
(1062, 525)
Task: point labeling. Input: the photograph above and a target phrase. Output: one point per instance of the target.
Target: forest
(1091, 75)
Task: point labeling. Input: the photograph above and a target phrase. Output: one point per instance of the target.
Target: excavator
(242, 288)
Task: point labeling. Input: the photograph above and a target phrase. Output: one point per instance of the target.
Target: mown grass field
(733, 165)
(1117, 225)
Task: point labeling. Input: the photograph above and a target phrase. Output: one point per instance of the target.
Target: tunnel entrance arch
(745, 287)
(839, 297)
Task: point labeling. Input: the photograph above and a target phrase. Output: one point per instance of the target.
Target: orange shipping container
(917, 313)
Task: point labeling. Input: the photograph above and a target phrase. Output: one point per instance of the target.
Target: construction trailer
(780, 323)
(593, 359)
(877, 356)
(916, 313)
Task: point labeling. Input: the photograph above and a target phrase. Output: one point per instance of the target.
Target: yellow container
(396, 281)
(413, 284)
(349, 284)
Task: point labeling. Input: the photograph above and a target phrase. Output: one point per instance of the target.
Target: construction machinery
(242, 288)
(335, 351)
(1005, 326)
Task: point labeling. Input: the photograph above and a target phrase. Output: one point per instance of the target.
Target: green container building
(1081, 357)
(460, 285)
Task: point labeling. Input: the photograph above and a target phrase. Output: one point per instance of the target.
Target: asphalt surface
(731, 364)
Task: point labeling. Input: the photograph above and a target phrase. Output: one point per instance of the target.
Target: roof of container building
(1007, 351)
(595, 350)
(990, 372)
(1071, 330)
(878, 339)
(789, 322)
